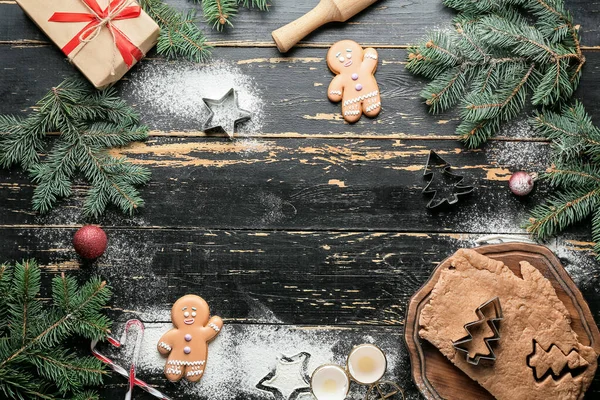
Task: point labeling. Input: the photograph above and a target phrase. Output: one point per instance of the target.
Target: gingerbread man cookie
(187, 343)
(355, 83)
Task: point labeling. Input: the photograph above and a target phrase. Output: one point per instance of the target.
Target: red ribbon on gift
(99, 18)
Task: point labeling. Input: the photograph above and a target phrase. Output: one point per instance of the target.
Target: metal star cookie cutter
(458, 188)
(491, 322)
(238, 114)
(289, 380)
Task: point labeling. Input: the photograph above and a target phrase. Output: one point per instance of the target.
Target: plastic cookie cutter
(225, 113)
(489, 313)
(453, 190)
(366, 365)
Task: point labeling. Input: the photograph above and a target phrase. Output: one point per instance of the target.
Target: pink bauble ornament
(90, 242)
(521, 183)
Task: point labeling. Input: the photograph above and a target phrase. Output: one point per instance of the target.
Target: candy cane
(133, 380)
(136, 350)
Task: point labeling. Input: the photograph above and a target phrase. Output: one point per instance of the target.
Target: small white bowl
(366, 364)
(330, 382)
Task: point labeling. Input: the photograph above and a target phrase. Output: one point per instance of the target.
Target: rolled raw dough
(534, 318)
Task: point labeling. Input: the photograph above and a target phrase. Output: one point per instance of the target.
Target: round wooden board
(435, 376)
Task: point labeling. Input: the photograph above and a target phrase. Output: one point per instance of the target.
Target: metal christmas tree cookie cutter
(459, 189)
(483, 319)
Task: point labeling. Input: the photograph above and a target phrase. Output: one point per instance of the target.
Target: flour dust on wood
(169, 95)
(242, 355)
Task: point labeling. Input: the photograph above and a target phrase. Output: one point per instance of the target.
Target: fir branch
(89, 123)
(5, 279)
(219, 12)
(494, 59)
(40, 367)
(572, 132)
(262, 5)
(561, 211)
(574, 176)
(179, 36)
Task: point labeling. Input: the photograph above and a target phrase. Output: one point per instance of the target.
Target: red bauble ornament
(90, 242)
(521, 183)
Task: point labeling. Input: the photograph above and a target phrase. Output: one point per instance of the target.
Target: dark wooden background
(320, 226)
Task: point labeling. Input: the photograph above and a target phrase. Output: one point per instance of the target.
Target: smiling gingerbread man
(187, 343)
(354, 84)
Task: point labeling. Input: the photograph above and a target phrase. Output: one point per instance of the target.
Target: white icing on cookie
(165, 346)
(183, 362)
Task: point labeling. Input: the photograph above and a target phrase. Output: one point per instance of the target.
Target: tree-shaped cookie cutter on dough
(463, 344)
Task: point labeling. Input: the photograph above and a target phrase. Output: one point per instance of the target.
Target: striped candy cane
(130, 375)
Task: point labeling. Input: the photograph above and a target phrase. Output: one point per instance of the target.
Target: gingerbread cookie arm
(370, 60)
(165, 344)
(213, 328)
(336, 89)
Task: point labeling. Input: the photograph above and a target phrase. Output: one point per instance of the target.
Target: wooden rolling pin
(326, 11)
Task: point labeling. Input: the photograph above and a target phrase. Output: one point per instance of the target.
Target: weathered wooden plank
(279, 292)
(242, 355)
(269, 277)
(305, 184)
(288, 95)
(387, 23)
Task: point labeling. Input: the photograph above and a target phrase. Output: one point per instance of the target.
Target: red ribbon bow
(98, 18)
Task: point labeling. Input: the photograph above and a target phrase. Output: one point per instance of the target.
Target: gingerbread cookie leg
(174, 370)
(371, 105)
(194, 373)
(352, 110)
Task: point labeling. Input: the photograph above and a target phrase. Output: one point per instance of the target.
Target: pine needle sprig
(33, 360)
(179, 36)
(219, 13)
(495, 58)
(574, 176)
(262, 5)
(89, 123)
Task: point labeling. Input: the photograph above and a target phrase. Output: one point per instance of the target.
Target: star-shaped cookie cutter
(483, 319)
(458, 187)
(238, 114)
(297, 381)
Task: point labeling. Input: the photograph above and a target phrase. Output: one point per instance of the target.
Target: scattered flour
(579, 261)
(494, 218)
(69, 212)
(517, 129)
(242, 355)
(515, 156)
(127, 256)
(164, 92)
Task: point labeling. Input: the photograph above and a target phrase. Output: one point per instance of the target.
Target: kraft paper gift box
(102, 38)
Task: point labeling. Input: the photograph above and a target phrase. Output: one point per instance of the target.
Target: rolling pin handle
(287, 36)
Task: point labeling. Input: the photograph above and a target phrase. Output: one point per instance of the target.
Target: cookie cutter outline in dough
(242, 115)
(435, 159)
(491, 322)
